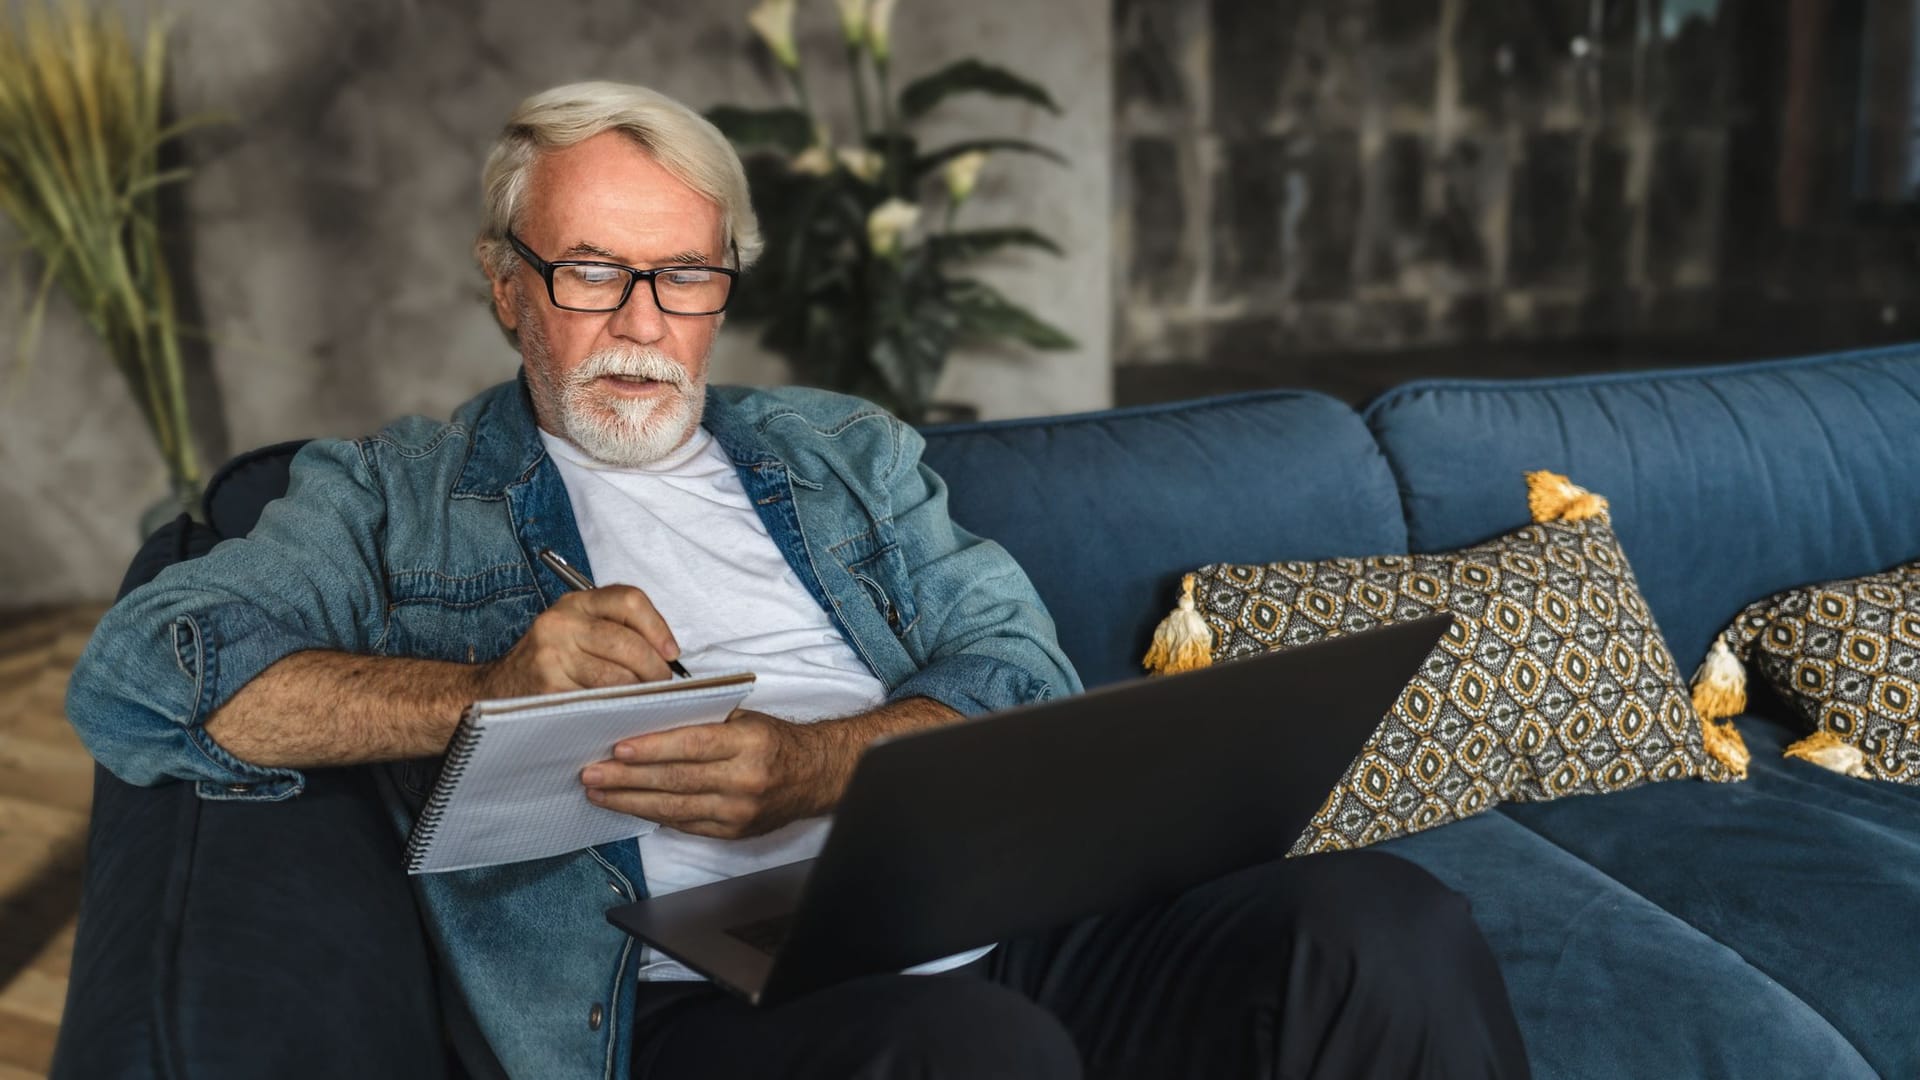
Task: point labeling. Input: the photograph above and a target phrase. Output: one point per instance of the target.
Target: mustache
(632, 363)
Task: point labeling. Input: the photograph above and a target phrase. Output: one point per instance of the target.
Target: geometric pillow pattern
(1553, 680)
(1846, 655)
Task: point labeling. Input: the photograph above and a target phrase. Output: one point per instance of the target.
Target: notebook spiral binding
(466, 741)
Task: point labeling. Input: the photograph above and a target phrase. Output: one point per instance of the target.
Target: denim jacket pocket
(875, 561)
(467, 620)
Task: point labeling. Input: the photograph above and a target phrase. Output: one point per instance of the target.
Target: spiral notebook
(510, 788)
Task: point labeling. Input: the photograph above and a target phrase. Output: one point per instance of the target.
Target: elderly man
(791, 532)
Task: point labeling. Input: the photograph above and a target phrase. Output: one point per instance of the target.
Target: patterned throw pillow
(1846, 654)
(1553, 681)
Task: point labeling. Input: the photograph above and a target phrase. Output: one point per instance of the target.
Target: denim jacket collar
(506, 459)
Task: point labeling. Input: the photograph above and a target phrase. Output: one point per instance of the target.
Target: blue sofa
(1763, 929)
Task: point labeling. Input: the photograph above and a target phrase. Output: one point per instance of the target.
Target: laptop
(1018, 821)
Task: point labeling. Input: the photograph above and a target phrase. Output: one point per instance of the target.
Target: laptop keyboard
(767, 935)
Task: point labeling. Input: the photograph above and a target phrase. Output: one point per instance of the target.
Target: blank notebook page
(510, 788)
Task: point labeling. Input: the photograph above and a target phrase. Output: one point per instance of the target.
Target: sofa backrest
(1105, 511)
(1728, 483)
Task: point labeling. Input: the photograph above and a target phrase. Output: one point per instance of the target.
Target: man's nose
(640, 318)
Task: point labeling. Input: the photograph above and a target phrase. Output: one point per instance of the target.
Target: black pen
(579, 581)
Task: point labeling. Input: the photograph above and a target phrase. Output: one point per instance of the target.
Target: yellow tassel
(1825, 749)
(1720, 686)
(1724, 745)
(1552, 497)
(1182, 641)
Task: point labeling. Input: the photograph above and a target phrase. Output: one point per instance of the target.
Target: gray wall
(329, 227)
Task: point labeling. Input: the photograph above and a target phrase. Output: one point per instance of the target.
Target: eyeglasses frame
(634, 275)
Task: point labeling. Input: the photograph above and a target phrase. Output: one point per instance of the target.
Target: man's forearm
(840, 742)
(316, 709)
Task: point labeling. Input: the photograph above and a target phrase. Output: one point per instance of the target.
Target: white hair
(681, 140)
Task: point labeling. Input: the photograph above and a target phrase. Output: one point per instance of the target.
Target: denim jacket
(419, 541)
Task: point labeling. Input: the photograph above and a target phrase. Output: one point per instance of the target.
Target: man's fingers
(718, 830)
(669, 808)
(617, 643)
(631, 607)
(683, 778)
(589, 672)
(695, 742)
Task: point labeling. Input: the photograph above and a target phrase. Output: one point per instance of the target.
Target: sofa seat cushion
(1809, 877)
(1105, 511)
(1606, 983)
(1728, 483)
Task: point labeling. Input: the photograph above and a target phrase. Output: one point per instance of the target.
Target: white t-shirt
(683, 531)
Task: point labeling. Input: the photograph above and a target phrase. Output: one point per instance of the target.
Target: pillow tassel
(1553, 497)
(1182, 641)
(1825, 749)
(1723, 744)
(1720, 686)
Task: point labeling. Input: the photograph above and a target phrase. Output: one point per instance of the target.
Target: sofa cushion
(1728, 483)
(1846, 656)
(1551, 681)
(1812, 878)
(1105, 511)
(1605, 983)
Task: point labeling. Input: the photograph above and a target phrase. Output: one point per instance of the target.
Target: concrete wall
(1345, 194)
(329, 227)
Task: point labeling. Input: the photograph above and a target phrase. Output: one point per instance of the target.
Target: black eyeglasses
(574, 285)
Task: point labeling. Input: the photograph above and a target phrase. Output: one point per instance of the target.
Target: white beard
(622, 431)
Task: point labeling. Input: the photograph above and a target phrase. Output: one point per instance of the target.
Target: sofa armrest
(247, 940)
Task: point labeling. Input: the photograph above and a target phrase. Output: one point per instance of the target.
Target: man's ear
(506, 306)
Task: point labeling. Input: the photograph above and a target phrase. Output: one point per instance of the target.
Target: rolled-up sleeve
(175, 650)
(983, 634)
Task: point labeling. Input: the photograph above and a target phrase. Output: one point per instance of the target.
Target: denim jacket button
(615, 886)
(239, 789)
(594, 1016)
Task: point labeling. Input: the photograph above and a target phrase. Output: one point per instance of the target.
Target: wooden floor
(46, 784)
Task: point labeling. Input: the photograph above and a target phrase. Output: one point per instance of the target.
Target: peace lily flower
(963, 173)
(815, 160)
(853, 20)
(888, 222)
(880, 29)
(865, 164)
(773, 21)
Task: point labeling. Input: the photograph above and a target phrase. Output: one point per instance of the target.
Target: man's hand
(744, 777)
(749, 775)
(610, 636)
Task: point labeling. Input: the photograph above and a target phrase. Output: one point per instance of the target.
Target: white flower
(887, 223)
(773, 21)
(865, 164)
(813, 161)
(963, 173)
(853, 20)
(880, 29)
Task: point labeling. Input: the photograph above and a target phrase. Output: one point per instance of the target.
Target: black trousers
(1351, 965)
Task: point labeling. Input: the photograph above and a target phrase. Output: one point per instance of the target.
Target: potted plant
(82, 131)
(859, 287)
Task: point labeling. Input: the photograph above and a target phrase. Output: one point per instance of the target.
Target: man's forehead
(587, 249)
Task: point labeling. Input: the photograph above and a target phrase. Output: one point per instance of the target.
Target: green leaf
(933, 160)
(911, 351)
(785, 129)
(973, 243)
(970, 76)
(985, 312)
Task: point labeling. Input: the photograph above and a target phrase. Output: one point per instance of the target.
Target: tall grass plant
(83, 127)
